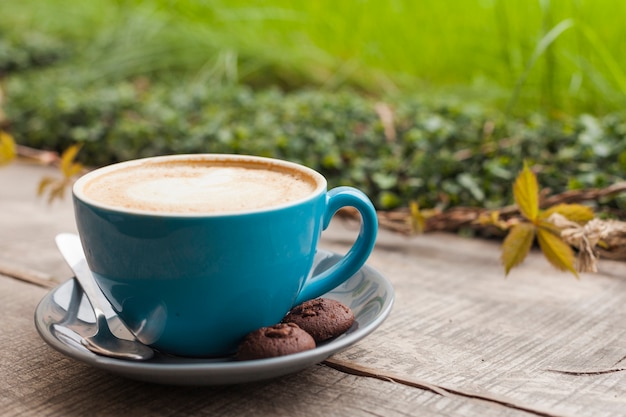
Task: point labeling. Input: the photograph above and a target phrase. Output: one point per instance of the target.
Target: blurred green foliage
(31, 50)
(438, 155)
(444, 155)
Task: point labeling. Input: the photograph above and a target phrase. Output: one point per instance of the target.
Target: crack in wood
(27, 275)
(584, 373)
(620, 361)
(353, 369)
(359, 370)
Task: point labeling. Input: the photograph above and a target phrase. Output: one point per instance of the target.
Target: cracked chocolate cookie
(278, 340)
(322, 318)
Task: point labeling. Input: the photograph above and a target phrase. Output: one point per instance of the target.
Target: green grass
(520, 55)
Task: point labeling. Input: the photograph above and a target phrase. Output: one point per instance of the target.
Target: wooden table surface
(461, 339)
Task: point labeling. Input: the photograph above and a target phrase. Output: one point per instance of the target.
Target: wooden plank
(28, 224)
(37, 380)
(539, 338)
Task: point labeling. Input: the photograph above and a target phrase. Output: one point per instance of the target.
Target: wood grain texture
(36, 380)
(536, 343)
(539, 338)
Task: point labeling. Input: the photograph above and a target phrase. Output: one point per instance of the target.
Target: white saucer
(63, 315)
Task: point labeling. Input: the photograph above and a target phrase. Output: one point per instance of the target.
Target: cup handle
(349, 264)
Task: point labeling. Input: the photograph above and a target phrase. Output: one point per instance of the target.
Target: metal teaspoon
(103, 342)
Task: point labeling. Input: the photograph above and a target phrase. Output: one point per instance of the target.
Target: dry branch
(611, 246)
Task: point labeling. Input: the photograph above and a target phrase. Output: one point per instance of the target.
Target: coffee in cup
(184, 186)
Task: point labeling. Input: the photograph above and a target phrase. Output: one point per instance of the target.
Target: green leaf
(573, 212)
(556, 251)
(385, 180)
(516, 245)
(389, 200)
(526, 193)
(469, 182)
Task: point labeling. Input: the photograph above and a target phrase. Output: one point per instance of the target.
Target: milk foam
(196, 187)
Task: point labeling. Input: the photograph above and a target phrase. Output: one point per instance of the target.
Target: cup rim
(317, 178)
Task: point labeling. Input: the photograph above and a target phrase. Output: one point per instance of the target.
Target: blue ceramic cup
(194, 283)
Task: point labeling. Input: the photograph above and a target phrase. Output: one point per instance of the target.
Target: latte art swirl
(198, 187)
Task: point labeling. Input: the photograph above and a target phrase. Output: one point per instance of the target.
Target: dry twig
(598, 238)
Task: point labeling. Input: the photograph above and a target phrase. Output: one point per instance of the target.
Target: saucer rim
(219, 371)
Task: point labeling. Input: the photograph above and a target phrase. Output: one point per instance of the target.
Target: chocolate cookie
(278, 340)
(322, 318)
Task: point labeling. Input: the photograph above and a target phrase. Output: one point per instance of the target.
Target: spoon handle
(72, 250)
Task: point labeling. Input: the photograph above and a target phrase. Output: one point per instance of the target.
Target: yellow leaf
(573, 212)
(56, 187)
(548, 226)
(558, 253)
(526, 193)
(491, 218)
(75, 169)
(69, 168)
(417, 219)
(516, 245)
(57, 191)
(44, 184)
(8, 150)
